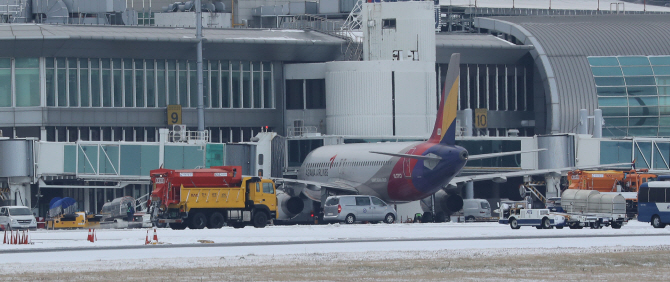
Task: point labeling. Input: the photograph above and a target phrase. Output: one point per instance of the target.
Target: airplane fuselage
(391, 178)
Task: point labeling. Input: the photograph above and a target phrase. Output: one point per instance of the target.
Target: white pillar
(87, 201)
(598, 123)
(469, 190)
(163, 137)
(468, 122)
(583, 127)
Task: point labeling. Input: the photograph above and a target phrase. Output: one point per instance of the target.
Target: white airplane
(395, 172)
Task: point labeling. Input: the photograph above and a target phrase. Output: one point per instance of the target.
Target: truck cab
(17, 217)
(517, 215)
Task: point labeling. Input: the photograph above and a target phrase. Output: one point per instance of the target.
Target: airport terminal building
(532, 69)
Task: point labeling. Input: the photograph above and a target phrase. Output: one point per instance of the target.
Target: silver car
(352, 208)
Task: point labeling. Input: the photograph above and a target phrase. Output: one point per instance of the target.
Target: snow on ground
(204, 256)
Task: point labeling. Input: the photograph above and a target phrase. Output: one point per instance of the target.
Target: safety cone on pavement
(4, 238)
(146, 240)
(155, 235)
(90, 236)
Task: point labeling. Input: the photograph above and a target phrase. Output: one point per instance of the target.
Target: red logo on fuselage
(332, 160)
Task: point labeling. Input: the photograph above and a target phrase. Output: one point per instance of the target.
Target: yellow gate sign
(481, 118)
(174, 114)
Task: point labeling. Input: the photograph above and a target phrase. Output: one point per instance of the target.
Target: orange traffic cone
(90, 236)
(146, 239)
(155, 235)
(4, 238)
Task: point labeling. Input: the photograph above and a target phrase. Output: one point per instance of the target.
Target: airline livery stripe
(449, 113)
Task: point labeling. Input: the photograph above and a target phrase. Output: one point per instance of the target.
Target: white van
(17, 217)
(474, 209)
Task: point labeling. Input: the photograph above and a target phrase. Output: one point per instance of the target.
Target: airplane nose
(464, 155)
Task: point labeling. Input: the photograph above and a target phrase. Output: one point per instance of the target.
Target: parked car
(351, 208)
(17, 217)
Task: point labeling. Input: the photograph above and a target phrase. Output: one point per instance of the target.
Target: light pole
(198, 35)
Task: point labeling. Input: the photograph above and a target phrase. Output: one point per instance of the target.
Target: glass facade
(20, 82)
(139, 83)
(634, 94)
(138, 133)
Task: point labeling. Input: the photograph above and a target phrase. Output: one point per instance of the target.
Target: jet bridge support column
(469, 190)
(553, 181)
(19, 191)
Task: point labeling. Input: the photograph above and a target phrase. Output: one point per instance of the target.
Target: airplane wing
(493, 155)
(428, 157)
(312, 189)
(503, 176)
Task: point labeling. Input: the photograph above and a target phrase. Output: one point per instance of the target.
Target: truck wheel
(389, 218)
(595, 225)
(350, 219)
(469, 218)
(615, 225)
(198, 221)
(656, 222)
(546, 224)
(427, 217)
(514, 224)
(178, 226)
(215, 221)
(559, 226)
(260, 219)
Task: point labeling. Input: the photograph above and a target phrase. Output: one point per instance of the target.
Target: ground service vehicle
(654, 203)
(589, 208)
(517, 214)
(624, 182)
(350, 208)
(210, 197)
(17, 217)
(476, 209)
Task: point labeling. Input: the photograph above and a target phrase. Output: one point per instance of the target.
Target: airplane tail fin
(445, 123)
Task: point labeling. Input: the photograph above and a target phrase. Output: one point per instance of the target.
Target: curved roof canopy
(562, 45)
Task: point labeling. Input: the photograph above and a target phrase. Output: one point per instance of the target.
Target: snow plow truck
(211, 197)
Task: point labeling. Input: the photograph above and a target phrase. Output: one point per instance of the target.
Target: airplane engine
(289, 206)
(445, 205)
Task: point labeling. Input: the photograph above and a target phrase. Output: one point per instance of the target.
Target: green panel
(663, 80)
(637, 71)
(661, 152)
(659, 61)
(612, 101)
(603, 61)
(642, 153)
(639, 80)
(88, 159)
(633, 61)
(149, 158)
(662, 70)
(214, 155)
(109, 159)
(612, 152)
(193, 157)
(642, 90)
(131, 160)
(644, 121)
(614, 112)
(611, 91)
(643, 132)
(69, 158)
(616, 121)
(609, 81)
(174, 157)
(606, 71)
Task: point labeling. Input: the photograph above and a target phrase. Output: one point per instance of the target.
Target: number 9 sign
(174, 114)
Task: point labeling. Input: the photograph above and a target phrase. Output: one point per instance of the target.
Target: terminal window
(632, 94)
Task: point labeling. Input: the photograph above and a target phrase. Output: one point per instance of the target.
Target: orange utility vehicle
(210, 197)
(624, 182)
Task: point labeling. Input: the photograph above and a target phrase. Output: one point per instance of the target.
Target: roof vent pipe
(598, 123)
(583, 125)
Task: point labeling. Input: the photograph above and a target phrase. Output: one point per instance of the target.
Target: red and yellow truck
(199, 198)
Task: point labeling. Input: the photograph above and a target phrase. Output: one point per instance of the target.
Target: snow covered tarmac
(446, 239)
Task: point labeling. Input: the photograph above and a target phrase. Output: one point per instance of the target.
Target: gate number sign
(481, 118)
(174, 114)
